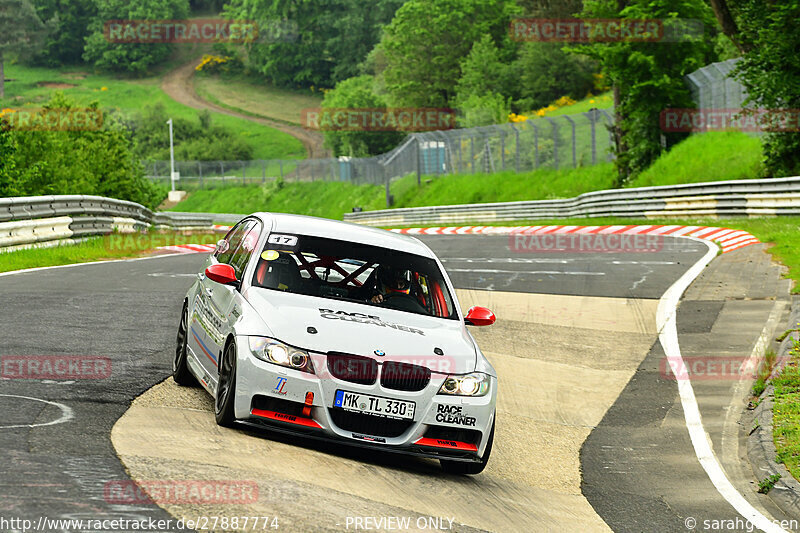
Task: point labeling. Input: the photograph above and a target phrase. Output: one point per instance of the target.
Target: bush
(193, 141)
(74, 162)
(358, 93)
(546, 72)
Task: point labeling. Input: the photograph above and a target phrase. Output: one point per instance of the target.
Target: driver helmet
(394, 279)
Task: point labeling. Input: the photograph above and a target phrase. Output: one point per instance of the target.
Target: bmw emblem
(380, 353)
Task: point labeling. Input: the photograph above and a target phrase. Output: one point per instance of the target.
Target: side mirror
(222, 273)
(479, 316)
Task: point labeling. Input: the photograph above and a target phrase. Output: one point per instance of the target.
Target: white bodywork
(219, 314)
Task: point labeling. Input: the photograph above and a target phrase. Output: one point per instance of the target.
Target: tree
(76, 162)
(547, 72)
(357, 93)
(21, 32)
(136, 58)
(324, 41)
(767, 33)
(427, 40)
(70, 21)
(648, 77)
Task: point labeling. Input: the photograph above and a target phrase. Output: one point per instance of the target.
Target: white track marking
(553, 272)
(668, 336)
(66, 413)
(71, 265)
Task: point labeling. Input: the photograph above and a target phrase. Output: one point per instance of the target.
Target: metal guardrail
(762, 197)
(35, 220)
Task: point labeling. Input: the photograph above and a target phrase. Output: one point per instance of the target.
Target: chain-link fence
(713, 87)
(557, 142)
(565, 141)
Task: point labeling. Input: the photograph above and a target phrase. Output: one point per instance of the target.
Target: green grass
(319, 198)
(128, 95)
(706, 157)
(99, 248)
(502, 187)
(244, 95)
(786, 413)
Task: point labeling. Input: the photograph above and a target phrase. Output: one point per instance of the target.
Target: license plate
(374, 405)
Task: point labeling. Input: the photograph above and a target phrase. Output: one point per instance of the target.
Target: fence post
(280, 165)
(386, 181)
(200, 172)
(244, 173)
(574, 158)
(472, 153)
(516, 151)
(503, 149)
(555, 141)
(263, 171)
(419, 161)
(592, 116)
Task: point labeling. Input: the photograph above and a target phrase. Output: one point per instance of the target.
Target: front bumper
(451, 427)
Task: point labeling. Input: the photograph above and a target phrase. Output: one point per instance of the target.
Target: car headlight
(475, 384)
(276, 352)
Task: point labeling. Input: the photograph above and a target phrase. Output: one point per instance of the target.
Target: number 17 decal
(284, 240)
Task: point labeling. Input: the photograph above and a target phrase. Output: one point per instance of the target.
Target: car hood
(360, 329)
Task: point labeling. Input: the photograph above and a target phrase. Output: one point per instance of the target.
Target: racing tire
(180, 366)
(462, 468)
(226, 388)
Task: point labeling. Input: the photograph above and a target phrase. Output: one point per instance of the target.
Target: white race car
(341, 332)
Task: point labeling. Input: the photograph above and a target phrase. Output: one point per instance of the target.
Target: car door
(224, 302)
(204, 322)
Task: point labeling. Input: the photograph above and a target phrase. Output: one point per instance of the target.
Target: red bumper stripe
(281, 417)
(448, 444)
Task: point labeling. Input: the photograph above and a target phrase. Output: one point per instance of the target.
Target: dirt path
(178, 84)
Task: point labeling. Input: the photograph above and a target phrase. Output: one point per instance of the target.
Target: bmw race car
(342, 332)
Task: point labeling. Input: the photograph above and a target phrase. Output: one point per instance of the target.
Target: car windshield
(341, 270)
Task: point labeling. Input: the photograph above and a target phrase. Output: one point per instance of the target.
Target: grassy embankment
(34, 86)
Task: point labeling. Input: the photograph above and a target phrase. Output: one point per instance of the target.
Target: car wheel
(226, 388)
(461, 468)
(180, 367)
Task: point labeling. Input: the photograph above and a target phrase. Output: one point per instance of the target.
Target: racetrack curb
(761, 449)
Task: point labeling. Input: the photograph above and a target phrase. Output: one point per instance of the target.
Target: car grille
(353, 368)
(404, 377)
(369, 425)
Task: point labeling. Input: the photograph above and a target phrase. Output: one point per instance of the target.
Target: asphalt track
(577, 327)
